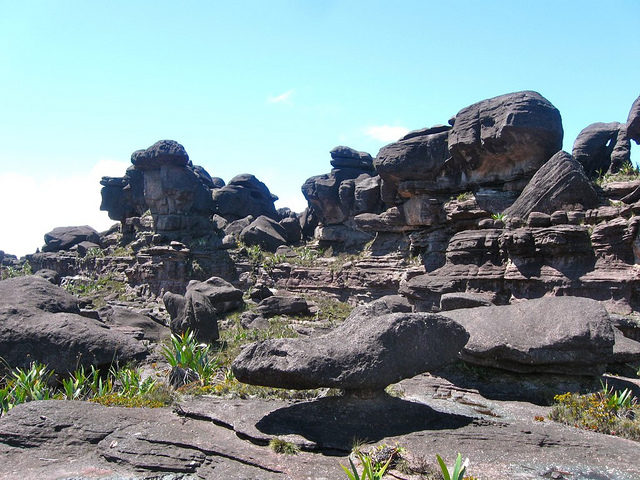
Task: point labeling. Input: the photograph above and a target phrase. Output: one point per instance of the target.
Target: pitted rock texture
(563, 335)
(360, 354)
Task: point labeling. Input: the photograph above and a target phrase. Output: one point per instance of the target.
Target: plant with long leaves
(370, 470)
(458, 471)
(185, 352)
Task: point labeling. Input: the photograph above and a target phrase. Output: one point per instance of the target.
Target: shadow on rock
(334, 423)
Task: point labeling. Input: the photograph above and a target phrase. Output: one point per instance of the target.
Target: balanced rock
(40, 322)
(200, 307)
(558, 335)
(560, 184)
(342, 157)
(63, 238)
(360, 354)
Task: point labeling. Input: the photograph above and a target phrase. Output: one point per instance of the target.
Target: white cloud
(30, 206)
(386, 133)
(282, 98)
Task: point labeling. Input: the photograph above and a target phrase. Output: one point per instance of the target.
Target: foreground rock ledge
(363, 354)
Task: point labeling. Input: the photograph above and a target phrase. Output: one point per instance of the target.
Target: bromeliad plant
(459, 468)
(185, 352)
(370, 470)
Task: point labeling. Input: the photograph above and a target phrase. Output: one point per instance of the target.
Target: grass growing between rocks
(12, 272)
(118, 387)
(626, 173)
(97, 289)
(283, 447)
(608, 411)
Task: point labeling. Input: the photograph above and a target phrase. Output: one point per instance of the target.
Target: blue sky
(269, 87)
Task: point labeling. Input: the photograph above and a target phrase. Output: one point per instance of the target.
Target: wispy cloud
(386, 133)
(282, 98)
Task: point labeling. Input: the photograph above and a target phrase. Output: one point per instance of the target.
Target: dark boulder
(346, 157)
(292, 229)
(360, 354)
(308, 223)
(418, 156)
(244, 195)
(63, 238)
(40, 322)
(563, 335)
(282, 305)
(633, 122)
(504, 140)
(163, 152)
(49, 275)
(560, 184)
(236, 227)
(382, 306)
(595, 145)
(264, 232)
(200, 307)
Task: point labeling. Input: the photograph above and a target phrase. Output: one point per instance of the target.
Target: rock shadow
(334, 423)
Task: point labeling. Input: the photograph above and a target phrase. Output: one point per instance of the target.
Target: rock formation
(379, 353)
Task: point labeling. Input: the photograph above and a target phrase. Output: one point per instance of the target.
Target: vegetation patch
(626, 173)
(98, 288)
(607, 411)
(283, 447)
(119, 386)
(12, 272)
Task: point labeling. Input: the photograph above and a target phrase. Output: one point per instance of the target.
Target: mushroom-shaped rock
(342, 157)
(359, 355)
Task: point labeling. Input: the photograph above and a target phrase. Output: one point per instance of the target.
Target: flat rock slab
(565, 335)
(209, 437)
(360, 354)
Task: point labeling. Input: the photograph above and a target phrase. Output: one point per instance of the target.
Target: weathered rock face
(164, 181)
(360, 354)
(283, 305)
(63, 238)
(504, 140)
(420, 155)
(40, 322)
(199, 308)
(560, 184)
(602, 148)
(563, 335)
(244, 195)
(633, 122)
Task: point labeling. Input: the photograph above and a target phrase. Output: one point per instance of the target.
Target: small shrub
(283, 447)
(464, 196)
(12, 272)
(607, 411)
(499, 216)
(95, 252)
